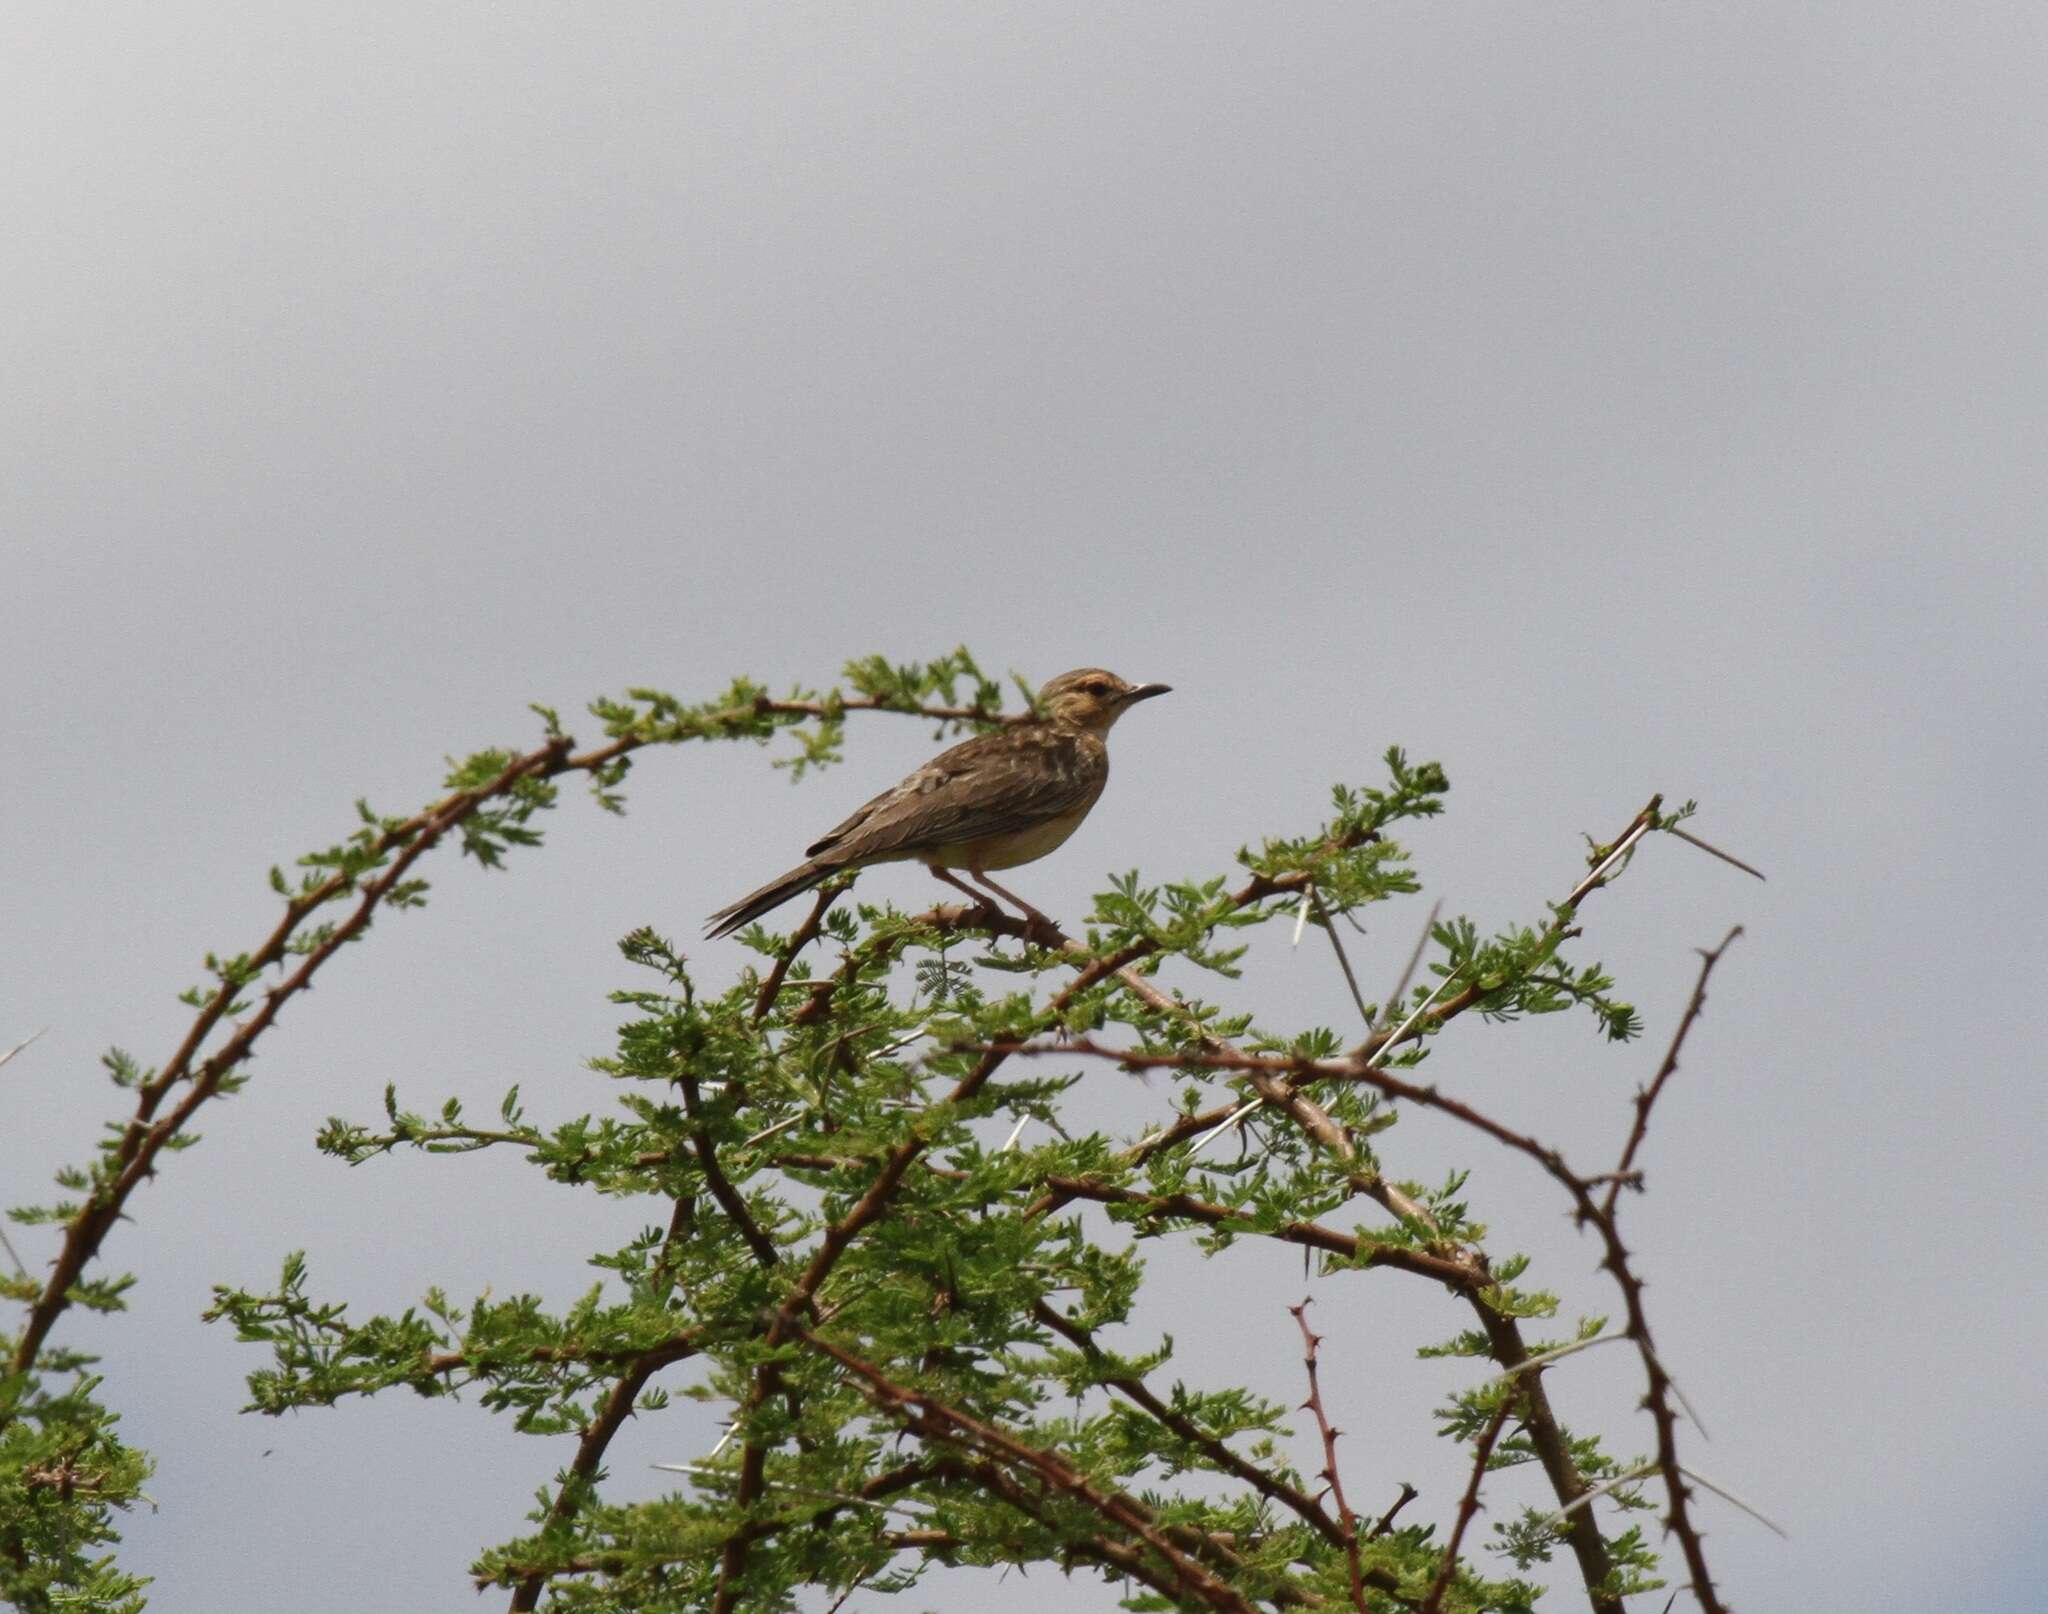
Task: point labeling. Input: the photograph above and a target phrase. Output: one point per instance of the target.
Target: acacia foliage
(916, 1297)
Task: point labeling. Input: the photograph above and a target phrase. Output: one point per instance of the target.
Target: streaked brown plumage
(993, 802)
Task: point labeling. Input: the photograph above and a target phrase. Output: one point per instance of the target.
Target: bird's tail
(772, 895)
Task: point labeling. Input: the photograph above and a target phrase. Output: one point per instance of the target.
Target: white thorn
(768, 1132)
(1607, 863)
(1545, 1358)
(1223, 1126)
(1420, 1009)
(1727, 1495)
(17, 1048)
(1599, 1490)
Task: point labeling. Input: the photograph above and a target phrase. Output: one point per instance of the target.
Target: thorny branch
(934, 1419)
(618, 1406)
(1296, 1500)
(1347, 1521)
(148, 1132)
(1386, 1521)
(715, 1178)
(1607, 861)
(1269, 1080)
(870, 1493)
(1117, 1555)
(1647, 1097)
(487, 1364)
(1600, 1215)
(804, 935)
(1468, 1505)
(1507, 1353)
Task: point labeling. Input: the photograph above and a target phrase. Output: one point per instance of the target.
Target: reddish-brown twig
(1408, 1494)
(1468, 1505)
(1296, 1500)
(715, 1178)
(1347, 1521)
(148, 1132)
(1509, 1355)
(805, 934)
(1647, 1097)
(1606, 861)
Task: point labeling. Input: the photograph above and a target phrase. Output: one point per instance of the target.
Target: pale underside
(1005, 851)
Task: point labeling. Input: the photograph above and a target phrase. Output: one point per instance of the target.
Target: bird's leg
(1041, 929)
(982, 905)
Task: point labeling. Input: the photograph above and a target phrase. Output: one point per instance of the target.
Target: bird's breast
(1009, 848)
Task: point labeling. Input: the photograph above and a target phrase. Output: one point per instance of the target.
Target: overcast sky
(1603, 400)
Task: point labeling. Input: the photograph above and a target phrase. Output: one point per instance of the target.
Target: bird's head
(1089, 698)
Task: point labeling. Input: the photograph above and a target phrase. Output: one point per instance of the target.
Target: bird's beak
(1145, 692)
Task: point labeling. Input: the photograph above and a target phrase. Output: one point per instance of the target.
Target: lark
(995, 802)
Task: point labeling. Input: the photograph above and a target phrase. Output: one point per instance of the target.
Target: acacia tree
(903, 1299)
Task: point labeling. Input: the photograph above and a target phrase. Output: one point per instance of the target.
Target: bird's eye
(1095, 686)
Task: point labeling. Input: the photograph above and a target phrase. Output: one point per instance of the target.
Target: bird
(992, 802)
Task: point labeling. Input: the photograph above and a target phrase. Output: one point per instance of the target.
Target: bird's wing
(984, 786)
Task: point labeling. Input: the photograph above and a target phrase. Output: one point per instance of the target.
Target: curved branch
(148, 1133)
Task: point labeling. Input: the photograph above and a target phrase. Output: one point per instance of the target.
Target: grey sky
(1600, 399)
